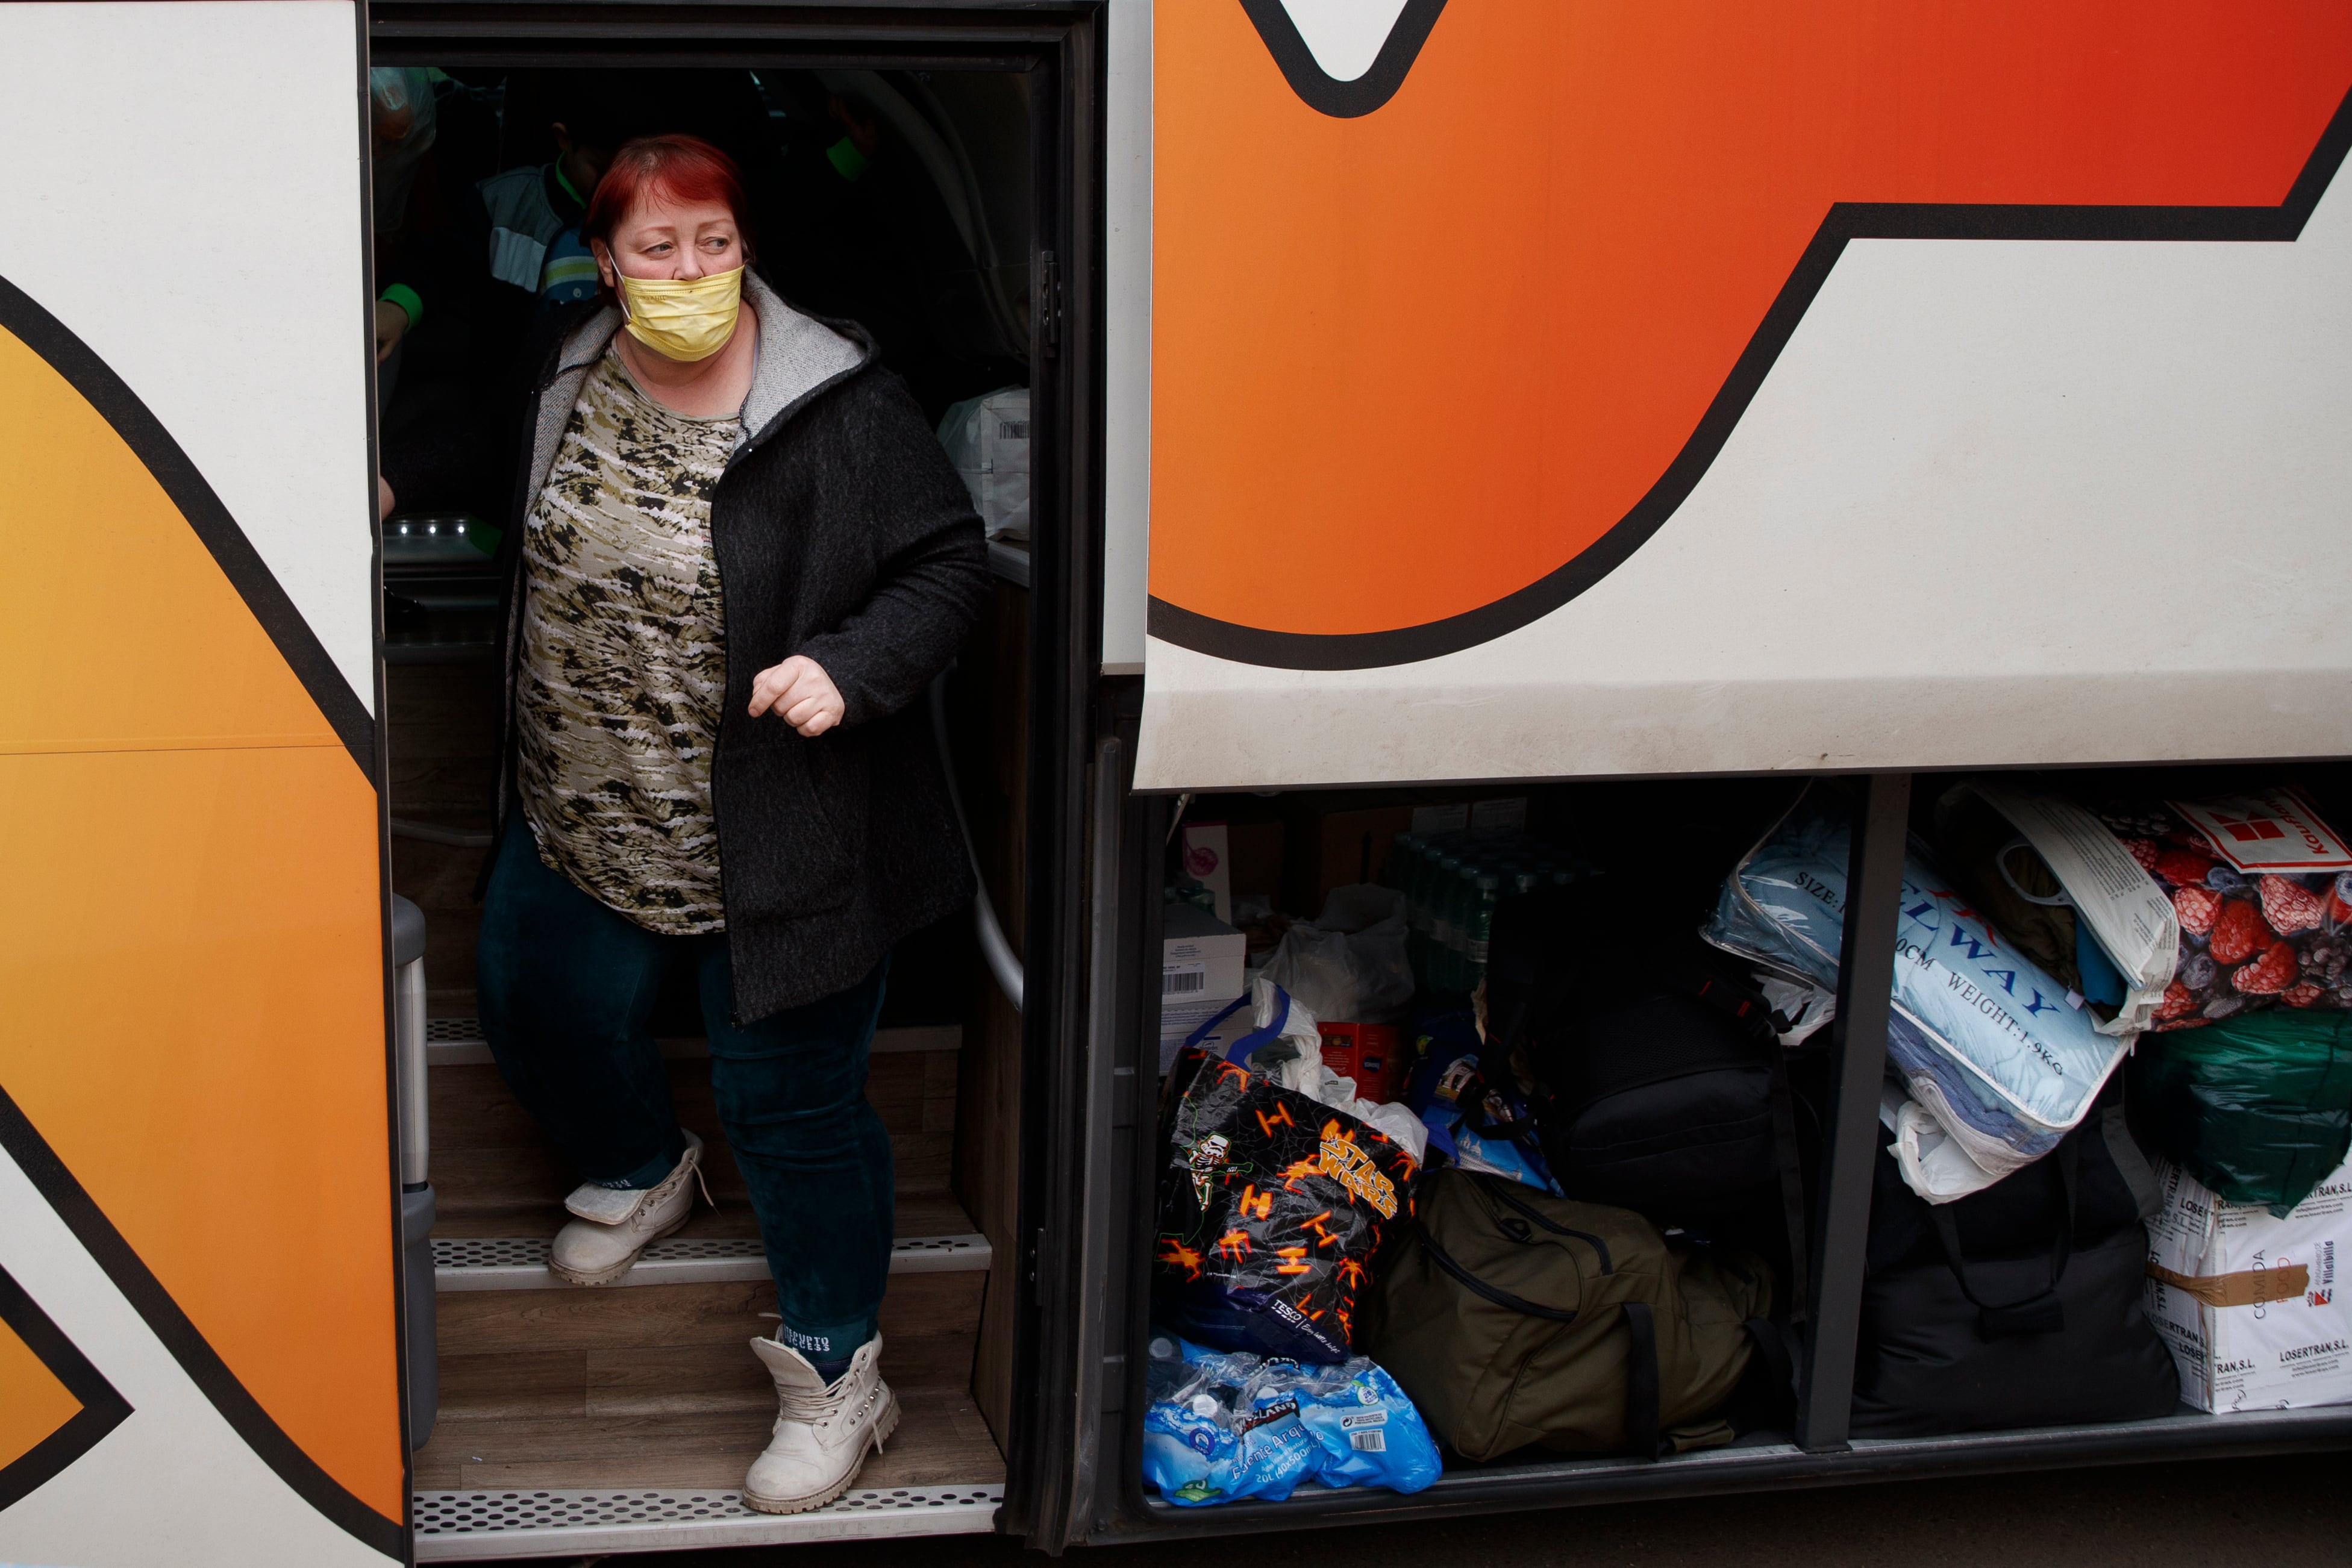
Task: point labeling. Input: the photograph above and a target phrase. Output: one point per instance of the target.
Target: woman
(742, 556)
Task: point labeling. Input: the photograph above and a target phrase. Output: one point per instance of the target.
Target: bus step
(520, 1263)
(458, 1526)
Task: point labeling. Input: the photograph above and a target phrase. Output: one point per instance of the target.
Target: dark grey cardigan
(842, 532)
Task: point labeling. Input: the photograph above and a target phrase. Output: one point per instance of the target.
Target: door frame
(1060, 43)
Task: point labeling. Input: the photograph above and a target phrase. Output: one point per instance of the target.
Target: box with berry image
(2262, 888)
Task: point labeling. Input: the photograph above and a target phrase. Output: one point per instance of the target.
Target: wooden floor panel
(494, 1174)
(530, 1322)
(681, 1416)
(918, 1214)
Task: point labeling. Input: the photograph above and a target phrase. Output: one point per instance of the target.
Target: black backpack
(1667, 1089)
(2018, 1305)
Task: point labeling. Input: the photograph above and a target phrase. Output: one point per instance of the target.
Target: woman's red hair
(679, 168)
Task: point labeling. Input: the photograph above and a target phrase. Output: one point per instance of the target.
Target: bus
(1593, 419)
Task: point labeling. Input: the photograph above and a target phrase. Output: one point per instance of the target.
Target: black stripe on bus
(1846, 221)
(1324, 93)
(121, 407)
(24, 1144)
(102, 1408)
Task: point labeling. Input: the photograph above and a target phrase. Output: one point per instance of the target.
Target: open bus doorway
(901, 200)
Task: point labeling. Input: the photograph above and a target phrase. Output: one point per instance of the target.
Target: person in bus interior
(741, 556)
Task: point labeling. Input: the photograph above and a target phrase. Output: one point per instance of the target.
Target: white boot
(615, 1224)
(822, 1431)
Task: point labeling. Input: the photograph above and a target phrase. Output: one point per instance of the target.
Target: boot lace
(670, 1183)
(813, 1406)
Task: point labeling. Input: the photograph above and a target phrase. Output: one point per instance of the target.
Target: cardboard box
(1352, 847)
(2250, 1305)
(1201, 963)
(1208, 861)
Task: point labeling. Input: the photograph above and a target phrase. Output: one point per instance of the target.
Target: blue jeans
(566, 990)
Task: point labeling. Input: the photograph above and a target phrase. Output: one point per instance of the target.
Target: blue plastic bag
(1477, 1119)
(1223, 1426)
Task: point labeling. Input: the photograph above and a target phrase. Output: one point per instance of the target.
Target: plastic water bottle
(1443, 901)
(1481, 932)
(1461, 907)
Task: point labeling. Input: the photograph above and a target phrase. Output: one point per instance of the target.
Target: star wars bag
(1271, 1206)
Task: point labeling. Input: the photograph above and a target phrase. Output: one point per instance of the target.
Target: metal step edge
(458, 1042)
(520, 1262)
(458, 1525)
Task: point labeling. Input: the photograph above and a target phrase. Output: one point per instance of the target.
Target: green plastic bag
(2259, 1108)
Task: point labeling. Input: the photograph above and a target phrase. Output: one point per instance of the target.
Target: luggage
(1663, 1096)
(1984, 1039)
(2258, 1107)
(2016, 1306)
(1512, 1319)
(1271, 1206)
(2252, 1304)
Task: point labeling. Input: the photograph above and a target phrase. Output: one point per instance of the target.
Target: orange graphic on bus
(1423, 373)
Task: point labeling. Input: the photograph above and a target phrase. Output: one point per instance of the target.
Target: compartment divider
(1841, 1214)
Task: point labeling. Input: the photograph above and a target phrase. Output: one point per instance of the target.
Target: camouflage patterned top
(623, 657)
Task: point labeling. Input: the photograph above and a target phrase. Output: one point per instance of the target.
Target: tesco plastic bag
(1271, 1206)
(2263, 890)
(1225, 1425)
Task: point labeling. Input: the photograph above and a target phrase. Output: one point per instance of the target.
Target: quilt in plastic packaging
(2004, 1057)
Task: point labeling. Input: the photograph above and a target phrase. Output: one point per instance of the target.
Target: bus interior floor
(650, 1381)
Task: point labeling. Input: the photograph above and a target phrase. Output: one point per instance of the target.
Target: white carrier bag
(2251, 1305)
(2129, 915)
(987, 439)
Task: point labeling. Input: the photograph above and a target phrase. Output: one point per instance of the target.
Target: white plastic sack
(1351, 964)
(2129, 915)
(1294, 1061)
(1932, 1163)
(2250, 1304)
(987, 439)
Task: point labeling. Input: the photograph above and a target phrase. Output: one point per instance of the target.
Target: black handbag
(2016, 1306)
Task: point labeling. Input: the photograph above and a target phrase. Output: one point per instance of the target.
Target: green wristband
(400, 294)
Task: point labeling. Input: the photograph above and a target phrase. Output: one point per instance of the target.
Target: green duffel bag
(1512, 1318)
(2257, 1107)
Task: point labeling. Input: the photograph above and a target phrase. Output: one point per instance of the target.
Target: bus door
(198, 1333)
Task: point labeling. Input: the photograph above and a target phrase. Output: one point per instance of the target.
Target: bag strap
(2036, 1314)
(1238, 1053)
(1471, 1282)
(1642, 1382)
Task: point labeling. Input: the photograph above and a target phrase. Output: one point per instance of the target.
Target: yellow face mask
(683, 319)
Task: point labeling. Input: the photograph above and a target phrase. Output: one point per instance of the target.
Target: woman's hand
(801, 693)
(390, 324)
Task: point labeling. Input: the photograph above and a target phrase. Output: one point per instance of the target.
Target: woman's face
(679, 240)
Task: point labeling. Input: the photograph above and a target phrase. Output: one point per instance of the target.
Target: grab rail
(1003, 962)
